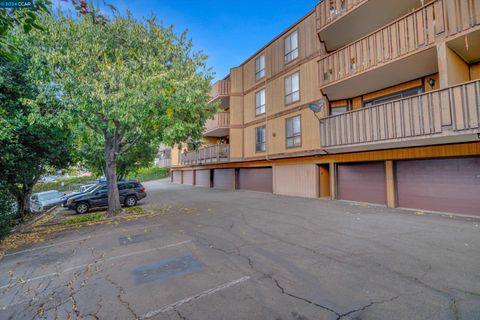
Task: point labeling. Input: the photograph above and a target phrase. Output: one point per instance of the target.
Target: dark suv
(130, 193)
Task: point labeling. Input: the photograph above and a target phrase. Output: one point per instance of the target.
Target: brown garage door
(188, 177)
(448, 185)
(177, 177)
(364, 182)
(224, 178)
(255, 179)
(202, 178)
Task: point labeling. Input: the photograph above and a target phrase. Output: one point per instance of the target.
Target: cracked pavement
(261, 256)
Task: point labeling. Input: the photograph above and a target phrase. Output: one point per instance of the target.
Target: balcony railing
(220, 89)
(447, 113)
(211, 154)
(220, 121)
(329, 11)
(413, 32)
(164, 163)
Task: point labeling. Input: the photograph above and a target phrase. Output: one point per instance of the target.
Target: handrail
(448, 111)
(211, 154)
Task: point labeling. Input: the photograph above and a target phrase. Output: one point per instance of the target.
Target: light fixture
(431, 82)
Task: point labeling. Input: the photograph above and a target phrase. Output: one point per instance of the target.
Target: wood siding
(296, 180)
(411, 33)
(326, 14)
(450, 111)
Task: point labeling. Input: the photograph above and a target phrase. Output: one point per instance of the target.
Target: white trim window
(260, 139)
(292, 88)
(260, 102)
(294, 132)
(291, 47)
(260, 67)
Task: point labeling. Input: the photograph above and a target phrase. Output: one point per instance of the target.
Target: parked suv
(130, 193)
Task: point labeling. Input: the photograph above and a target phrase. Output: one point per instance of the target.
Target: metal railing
(211, 154)
(446, 112)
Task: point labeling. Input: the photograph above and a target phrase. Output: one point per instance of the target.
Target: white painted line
(81, 239)
(194, 297)
(48, 275)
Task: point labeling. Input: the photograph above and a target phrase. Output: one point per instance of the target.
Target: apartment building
(374, 101)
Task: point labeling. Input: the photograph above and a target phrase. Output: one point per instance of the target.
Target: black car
(130, 192)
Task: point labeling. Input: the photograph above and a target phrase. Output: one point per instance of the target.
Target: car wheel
(130, 201)
(81, 208)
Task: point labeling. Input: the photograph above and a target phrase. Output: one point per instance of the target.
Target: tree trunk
(114, 206)
(26, 193)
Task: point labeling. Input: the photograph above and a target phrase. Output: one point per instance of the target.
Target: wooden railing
(415, 31)
(220, 89)
(211, 154)
(221, 120)
(331, 10)
(164, 163)
(445, 112)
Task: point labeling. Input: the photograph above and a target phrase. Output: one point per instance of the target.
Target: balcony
(342, 21)
(400, 51)
(220, 91)
(212, 154)
(443, 116)
(218, 126)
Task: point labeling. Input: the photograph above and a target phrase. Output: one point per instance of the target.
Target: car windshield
(91, 188)
(49, 196)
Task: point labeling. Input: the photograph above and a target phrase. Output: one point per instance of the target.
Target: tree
(33, 137)
(127, 82)
(27, 19)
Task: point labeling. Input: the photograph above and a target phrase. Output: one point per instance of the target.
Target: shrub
(8, 208)
(69, 184)
(148, 174)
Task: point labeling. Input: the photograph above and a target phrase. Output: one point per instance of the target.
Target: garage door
(255, 179)
(177, 177)
(448, 185)
(364, 182)
(202, 178)
(188, 177)
(224, 178)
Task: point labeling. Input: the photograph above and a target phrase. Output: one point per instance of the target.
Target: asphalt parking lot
(244, 255)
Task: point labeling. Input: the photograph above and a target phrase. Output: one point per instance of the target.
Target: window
(294, 132)
(260, 102)
(260, 67)
(393, 96)
(261, 139)
(291, 47)
(292, 88)
(338, 110)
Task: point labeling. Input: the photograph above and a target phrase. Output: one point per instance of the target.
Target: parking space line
(193, 297)
(93, 263)
(81, 239)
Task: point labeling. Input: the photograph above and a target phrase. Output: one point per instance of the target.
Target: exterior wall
(452, 68)
(475, 71)
(296, 180)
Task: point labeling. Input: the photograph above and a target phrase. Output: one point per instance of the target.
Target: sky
(229, 32)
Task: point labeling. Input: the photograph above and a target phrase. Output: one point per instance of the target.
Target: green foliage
(33, 135)
(69, 184)
(126, 86)
(89, 217)
(7, 211)
(148, 174)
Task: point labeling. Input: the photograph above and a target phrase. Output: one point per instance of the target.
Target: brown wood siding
(448, 185)
(255, 179)
(188, 177)
(202, 178)
(224, 178)
(177, 177)
(364, 182)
